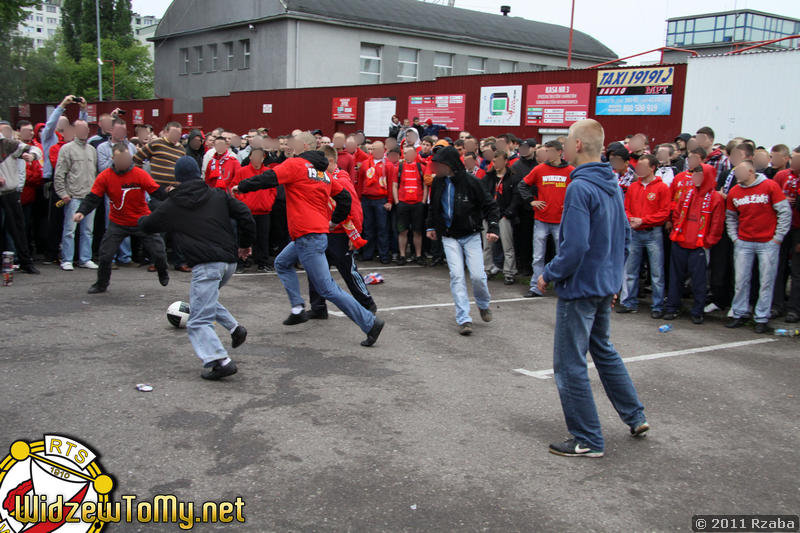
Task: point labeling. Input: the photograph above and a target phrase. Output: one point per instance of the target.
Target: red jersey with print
(307, 194)
(375, 178)
(410, 187)
(127, 203)
(356, 213)
(788, 180)
(651, 203)
(551, 185)
(757, 216)
(259, 202)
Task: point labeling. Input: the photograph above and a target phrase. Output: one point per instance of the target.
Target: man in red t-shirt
(308, 192)
(374, 180)
(789, 181)
(340, 250)
(544, 189)
(408, 192)
(758, 218)
(125, 185)
(345, 160)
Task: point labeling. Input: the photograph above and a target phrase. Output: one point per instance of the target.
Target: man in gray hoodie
(73, 177)
(13, 155)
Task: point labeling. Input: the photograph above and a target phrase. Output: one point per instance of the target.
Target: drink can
(8, 268)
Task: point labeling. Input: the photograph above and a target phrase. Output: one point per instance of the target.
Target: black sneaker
(760, 327)
(96, 289)
(791, 317)
(656, 315)
(238, 336)
(401, 260)
(386, 261)
(373, 308)
(374, 333)
(697, 319)
(265, 268)
(532, 294)
(486, 314)
(622, 310)
(509, 280)
(639, 430)
(419, 260)
(318, 314)
(735, 323)
(465, 329)
(29, 269)
(671, 315)
(776, 312)
(215, 370)
(295, 319)
(163, 277)
(574, 448)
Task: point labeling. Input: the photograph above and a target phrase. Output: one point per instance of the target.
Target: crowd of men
(718, 223)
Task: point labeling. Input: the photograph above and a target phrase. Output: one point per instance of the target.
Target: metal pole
(571, 20)
(99, 54)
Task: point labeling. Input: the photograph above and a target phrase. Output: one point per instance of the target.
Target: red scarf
(677, 233)
(214, 172)
(790, 187)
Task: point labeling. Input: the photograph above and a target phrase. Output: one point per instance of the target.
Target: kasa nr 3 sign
(640, 91)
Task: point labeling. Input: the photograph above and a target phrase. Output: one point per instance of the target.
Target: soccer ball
(178, 314)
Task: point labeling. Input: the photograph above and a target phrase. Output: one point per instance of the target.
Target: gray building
(212, 48)
(718, 33)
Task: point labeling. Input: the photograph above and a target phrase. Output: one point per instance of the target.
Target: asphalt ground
(426, 431)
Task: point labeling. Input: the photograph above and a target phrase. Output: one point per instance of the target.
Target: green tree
(13, 49)
(71, 27)
(122, 29)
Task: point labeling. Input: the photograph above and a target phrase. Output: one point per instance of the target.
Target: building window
(51, 9)
(51, 20)
(245, 44)
(228, 55)
(212, 48)
(476, 65)
(39, 18)
(507, 66)
(407, 59)
(38, 30)
(198, 54)
(183, 54)
(370, 63)
(442, 64)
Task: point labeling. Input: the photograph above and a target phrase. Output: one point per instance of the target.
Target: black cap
(684, 137)
(528, 142)
(316, 132)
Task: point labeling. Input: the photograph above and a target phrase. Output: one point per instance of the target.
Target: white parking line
(448, 304)
(545, 374)
(378, 268)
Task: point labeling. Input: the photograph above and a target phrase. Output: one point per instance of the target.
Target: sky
(626, 26)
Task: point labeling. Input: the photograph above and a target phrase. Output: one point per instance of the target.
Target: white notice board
(377, 116)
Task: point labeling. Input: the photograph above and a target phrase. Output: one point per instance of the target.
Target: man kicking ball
(308, 191)
(200, 219)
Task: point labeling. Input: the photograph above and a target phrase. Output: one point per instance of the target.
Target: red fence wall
(311, 108)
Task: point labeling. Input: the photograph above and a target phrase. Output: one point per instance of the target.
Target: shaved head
(584, 142)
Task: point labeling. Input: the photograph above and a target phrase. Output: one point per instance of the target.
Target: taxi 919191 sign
(641, 91)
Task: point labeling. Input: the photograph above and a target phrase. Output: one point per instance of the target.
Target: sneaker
(401, 260)
(760, 327)
(318, 314)
(163, 277)
(776, 312)
(494, 270)
(697, 319)
(735, 323)
(465, 329)
(374, 333)
(639, 430)
(791, 317)
(67, 265)
(710, 308)
(656, 315)
(216, 371)
(91, 265)
(295, 319)
(670, 315)
(238, 336)
(419, 260)
(29, 269)
(532, 294)
(574, 448)
(386, 260)
(96, 289)
(486, 314)
(622, 310)
(265, 268)
(240, 269)
(509, 280)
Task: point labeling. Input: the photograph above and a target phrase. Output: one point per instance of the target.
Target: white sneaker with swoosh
(574, 448)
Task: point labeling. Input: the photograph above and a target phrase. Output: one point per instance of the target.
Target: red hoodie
(259, 202)
(698, 212)
(789, 181)
(374, 178)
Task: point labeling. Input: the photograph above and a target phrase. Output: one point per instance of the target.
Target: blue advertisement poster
(638, 91)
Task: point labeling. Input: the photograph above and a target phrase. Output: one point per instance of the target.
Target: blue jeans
(310, 251)
(584, 325)
(540, 232)
(376, 220)
(460, 252)
(68, 236)
(124, 253)
(205, 309)
(651, 242)
(744, 253)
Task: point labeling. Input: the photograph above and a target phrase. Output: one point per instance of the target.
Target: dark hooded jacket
(199, 217)
(471, 201)
(197, 155)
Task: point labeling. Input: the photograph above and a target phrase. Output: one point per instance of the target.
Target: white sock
(225, 361)
(297, 309)
(234, 328)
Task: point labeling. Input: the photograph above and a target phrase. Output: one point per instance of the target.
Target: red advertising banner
(445, 109)
(91, 112)
(345, 108)
(557, 104)
(138, 116)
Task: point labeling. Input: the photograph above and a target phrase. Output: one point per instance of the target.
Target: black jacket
(200, 219)
(197, 155)
(471, 201)
(508, 201)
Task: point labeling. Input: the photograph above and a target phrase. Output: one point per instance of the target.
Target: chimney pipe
(505, 10)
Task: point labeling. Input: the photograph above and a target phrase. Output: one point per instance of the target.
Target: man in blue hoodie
(588, 274)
